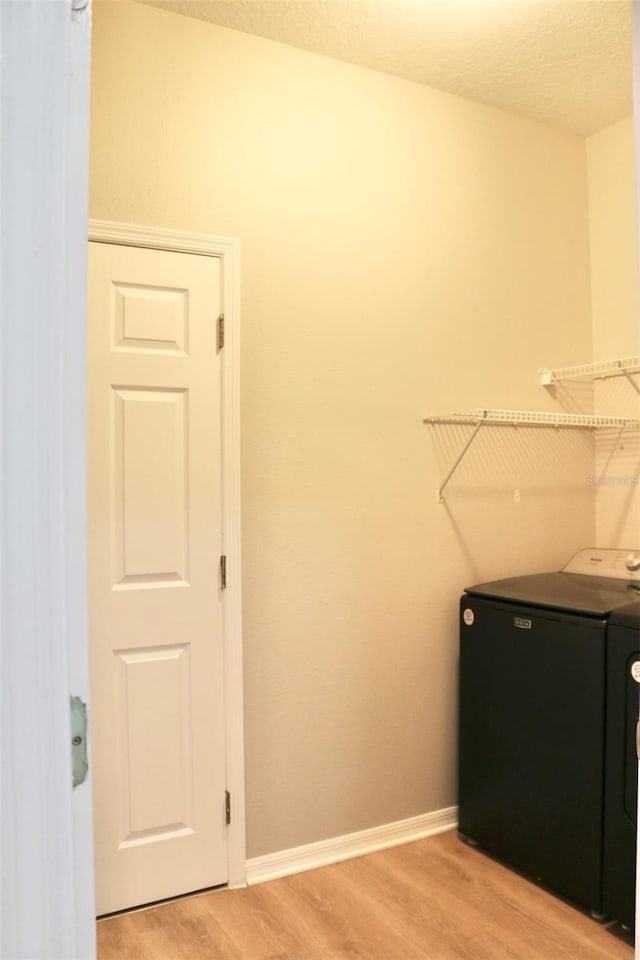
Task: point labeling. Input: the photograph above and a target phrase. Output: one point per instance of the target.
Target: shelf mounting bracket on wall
(634, 383)
(460, 458)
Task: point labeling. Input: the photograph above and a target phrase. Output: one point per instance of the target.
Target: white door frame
(228, 250)
(46, 867)
(636, 126)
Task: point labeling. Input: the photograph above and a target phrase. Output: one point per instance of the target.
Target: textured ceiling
(565, 62)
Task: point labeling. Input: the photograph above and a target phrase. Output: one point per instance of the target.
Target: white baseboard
(321, 854)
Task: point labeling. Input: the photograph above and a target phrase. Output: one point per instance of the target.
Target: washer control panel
(606, 562)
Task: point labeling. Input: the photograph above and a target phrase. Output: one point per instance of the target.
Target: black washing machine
(533, 658)
(621, 765)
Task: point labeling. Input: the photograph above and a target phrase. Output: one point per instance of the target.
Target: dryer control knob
(633, 562)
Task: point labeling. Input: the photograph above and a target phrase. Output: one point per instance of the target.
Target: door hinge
(223, 573)
(221, 331)
(227, 807)
(79, 757)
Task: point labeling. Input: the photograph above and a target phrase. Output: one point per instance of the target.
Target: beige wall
(404, 252)
(614, 284)
(613, 240)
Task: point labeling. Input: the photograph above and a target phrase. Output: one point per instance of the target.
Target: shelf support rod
(631, 381)
(459, 460)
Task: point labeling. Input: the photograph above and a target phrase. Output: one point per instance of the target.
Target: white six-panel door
(154, 518)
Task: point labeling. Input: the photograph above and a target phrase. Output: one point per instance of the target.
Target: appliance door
(532, 688)
(621, 781)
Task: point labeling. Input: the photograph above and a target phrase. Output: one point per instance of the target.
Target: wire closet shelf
(601, 370)
(537, 418)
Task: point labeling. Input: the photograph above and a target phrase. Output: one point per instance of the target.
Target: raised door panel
(155, 759)
(150, 487)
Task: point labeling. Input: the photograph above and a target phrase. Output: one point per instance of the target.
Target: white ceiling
(565, 62)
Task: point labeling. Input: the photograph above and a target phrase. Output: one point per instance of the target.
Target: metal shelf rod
(633, 382)
(458, 461)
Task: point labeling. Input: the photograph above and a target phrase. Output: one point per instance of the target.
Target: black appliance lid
(627, 617)
(579, 593)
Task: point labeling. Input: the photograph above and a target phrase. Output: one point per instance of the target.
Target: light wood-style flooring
(436, 899)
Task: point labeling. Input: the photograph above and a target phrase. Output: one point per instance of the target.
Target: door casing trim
(228, 250)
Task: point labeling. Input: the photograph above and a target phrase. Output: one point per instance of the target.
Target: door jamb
(635, 68)
(46, 870)
(228, 250)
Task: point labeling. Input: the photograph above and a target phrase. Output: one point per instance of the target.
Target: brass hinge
(227, 807)
(221, 331)
(223, 573)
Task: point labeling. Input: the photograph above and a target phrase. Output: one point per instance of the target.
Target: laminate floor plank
(196, 939)
(442, 922)
(342, 919)
(118, 937)
(425, 913)
(520, 920)
(469, 908)
(436, 899)
(256, 924)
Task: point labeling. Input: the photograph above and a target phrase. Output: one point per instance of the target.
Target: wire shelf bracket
(440, 497)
